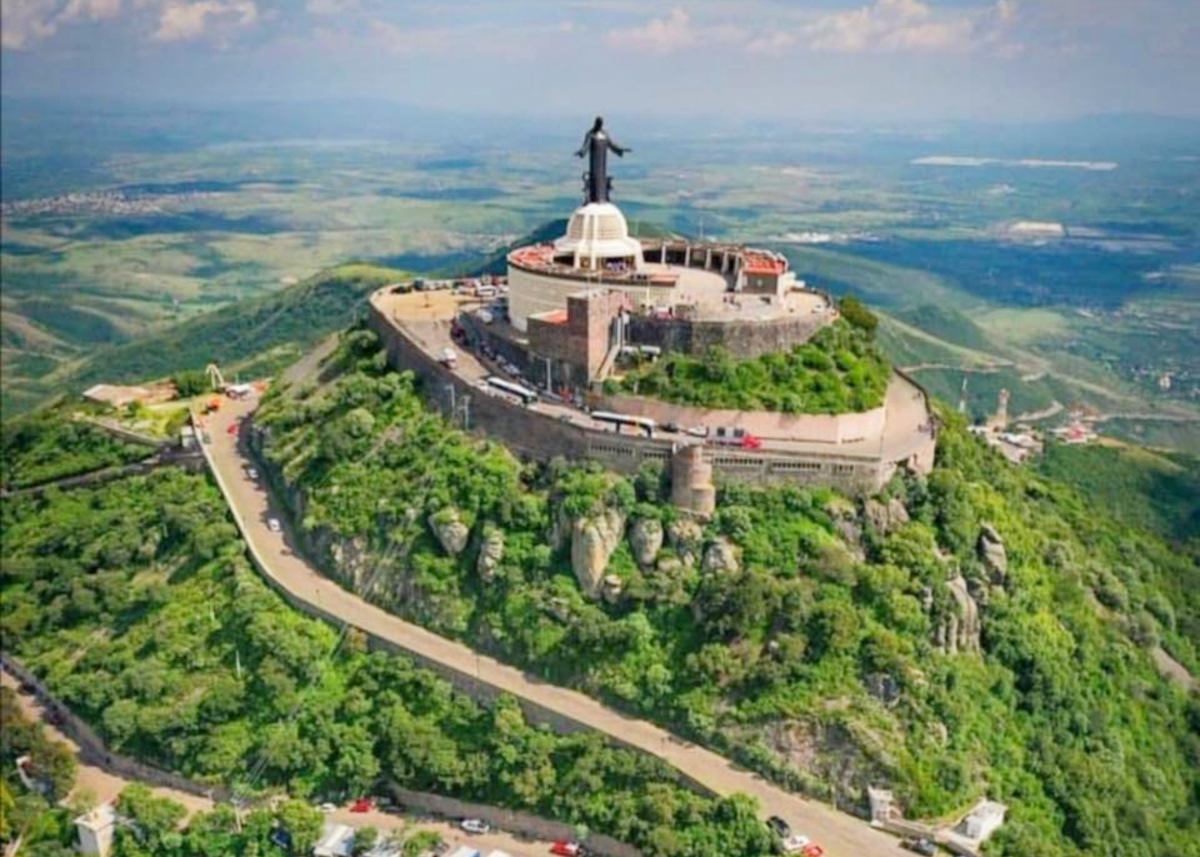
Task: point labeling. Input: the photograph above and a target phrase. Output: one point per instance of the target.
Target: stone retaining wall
(542, 437)
(744, 339)
(832, 429)
(93, 751)
(524, 430)
(520, 823)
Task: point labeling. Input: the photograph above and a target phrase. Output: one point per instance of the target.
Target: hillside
(287, 323)
(987, 630)
(256, 336)
(1152, 490)
(151, 624)
(837, 371)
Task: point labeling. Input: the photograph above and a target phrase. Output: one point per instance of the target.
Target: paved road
(906, 428)
(277, 556)
(103, 786)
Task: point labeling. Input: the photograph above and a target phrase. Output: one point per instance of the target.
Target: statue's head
(598, 124)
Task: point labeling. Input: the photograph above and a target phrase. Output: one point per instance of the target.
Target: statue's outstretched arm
(619, 150)
(587, 138)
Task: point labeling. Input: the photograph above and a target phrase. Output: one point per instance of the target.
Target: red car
(233, 428)
(566, 849)
(363, 804)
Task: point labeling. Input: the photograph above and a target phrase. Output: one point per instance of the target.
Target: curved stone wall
(742, 338)
(858, 469)
(807, 428)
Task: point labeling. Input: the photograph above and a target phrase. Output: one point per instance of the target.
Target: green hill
(948, 324)
(1157, 491)
(260, 334)
(819, 657)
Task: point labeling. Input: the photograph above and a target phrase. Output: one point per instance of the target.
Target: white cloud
(28, 21)
(331, 8)
(661, 35)
(909, 26)
(182, 21)
(675, 32)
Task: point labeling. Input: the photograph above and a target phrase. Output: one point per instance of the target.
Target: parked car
(475, 825)
(670, 428)
(328, 807)
(363, 804)
(922, 846)
(252, 472)
(779, 827)
(566, 848)
(802, 845)
(273, 525)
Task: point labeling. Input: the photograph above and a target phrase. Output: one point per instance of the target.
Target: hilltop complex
(582, 310)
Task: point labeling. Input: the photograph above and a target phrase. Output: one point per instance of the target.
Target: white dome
(597, 232)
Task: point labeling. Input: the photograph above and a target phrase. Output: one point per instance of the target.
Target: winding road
(279, 559)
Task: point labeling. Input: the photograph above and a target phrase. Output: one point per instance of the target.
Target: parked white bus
(645, 424)
(526, 395)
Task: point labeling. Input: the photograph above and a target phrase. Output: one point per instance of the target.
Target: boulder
(451, 532)
(845, 522)
(612, 588)
(960, 628)
(885, 517)
(883, 687)
(993, 553)
(646, 540)
(685, 536)
(593, 539)
(720, 557)
(491, 552)
(350, 559)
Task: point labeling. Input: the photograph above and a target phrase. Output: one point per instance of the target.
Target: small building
(882, 805)
(116, 395)
(96, 829)
(337, 840)
(982, 821)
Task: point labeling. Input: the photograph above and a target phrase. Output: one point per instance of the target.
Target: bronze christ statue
(596, 182)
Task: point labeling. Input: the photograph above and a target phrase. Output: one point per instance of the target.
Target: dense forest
(839, 370)
(32, 815)
(49, 445)
(984, 630)
(136, 603)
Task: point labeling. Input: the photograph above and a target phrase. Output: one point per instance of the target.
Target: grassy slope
(290, 320)
(1146, 489)
(773, 662)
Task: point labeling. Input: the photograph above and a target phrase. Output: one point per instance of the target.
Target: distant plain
(141, 221)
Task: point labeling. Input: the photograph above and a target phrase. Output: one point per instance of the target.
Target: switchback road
(277, 556)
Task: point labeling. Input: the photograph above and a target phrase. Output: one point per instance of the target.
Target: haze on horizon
(862, 60)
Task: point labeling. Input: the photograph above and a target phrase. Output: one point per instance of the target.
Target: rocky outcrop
(883, 687)
(612, 588)
(491, 552)
(721, 557)
(993, 554)
(845, 523)
(885, 517)
(451, 532)
(685, 536)
(350, 559)
(959, 630)
(593, 540)
(646, 540)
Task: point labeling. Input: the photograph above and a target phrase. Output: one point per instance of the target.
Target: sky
(870, 60)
